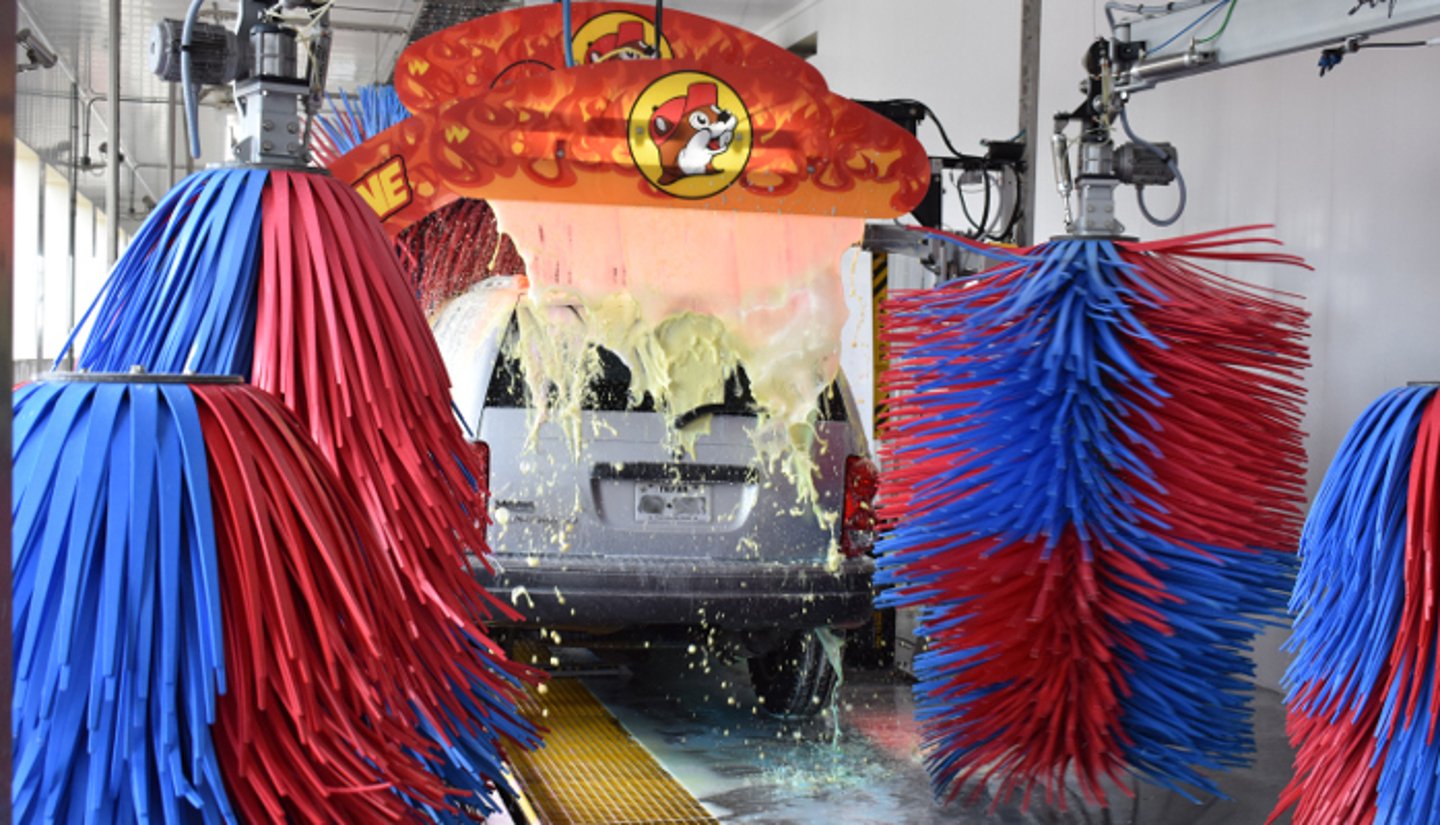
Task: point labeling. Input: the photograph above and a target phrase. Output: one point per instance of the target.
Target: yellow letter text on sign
(386, 187)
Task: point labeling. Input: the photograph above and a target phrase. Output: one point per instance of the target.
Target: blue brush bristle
(354, 119)
(1349, 601)
(118, 646)
(182, 297)
(1351, 586)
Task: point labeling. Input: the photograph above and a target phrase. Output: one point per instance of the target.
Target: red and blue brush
(1093, 473)
(287, 279)
(1363, 705)
(206, 627)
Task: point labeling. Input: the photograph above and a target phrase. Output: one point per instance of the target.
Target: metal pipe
(1146, 72)
(112, 169)
(171, 144)
(67, 69)
(224, 15)
(73, 264)
(1029, 115)
(134, 99)
(40, 253)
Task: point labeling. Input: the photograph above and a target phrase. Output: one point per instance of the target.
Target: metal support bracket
(270, 121)
(948, 261)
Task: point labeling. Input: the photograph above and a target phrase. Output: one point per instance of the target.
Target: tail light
(857, 525)
(480, 461)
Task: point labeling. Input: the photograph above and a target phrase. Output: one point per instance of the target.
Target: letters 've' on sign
(386, 187)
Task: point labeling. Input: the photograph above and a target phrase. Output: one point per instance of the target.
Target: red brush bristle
(1047, 629)
(1336, 756)
(455, 247)
(372, 392)
(1234, 459)
(1412, 658)
(317, 722)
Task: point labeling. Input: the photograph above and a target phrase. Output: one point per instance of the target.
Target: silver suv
(628, 542)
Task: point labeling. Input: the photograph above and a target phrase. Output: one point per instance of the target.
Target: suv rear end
(622, 537)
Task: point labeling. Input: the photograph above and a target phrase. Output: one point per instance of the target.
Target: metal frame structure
(1260, 29)
(1150, 46)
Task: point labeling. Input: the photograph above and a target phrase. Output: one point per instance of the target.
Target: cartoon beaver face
(691, 131)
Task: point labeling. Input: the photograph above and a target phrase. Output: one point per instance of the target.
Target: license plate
(672, 503)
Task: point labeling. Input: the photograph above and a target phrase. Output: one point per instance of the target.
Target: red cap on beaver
(699, 94)
(630, 34)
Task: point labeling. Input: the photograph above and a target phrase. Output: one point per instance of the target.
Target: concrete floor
(699, 718)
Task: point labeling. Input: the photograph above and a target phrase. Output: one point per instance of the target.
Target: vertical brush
(454, 248)
(1092, 489)
(1362, 702)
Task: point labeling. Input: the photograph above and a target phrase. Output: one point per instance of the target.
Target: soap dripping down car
(622, 523)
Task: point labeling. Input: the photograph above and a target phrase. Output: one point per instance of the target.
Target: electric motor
(214, 52)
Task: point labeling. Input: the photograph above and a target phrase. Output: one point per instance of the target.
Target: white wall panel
(1345, 166)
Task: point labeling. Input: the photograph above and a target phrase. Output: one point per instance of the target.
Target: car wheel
(794, 680)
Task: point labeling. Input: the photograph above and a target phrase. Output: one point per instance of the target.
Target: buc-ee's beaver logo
(690, 134)
(616, 35)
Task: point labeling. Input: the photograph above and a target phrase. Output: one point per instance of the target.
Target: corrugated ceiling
(369, 35)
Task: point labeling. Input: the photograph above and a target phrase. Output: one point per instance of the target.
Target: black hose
(981, 228)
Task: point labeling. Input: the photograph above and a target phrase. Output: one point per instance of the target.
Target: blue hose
(192, 102)
(569, 33)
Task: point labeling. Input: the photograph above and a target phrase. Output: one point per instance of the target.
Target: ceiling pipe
(90, 95)
(112, 176)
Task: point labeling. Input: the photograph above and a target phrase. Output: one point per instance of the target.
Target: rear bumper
(606, 594)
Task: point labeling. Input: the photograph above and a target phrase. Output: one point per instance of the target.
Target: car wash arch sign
(695, 131)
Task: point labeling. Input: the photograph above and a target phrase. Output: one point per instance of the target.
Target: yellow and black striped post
(879, 289)
(881, 649)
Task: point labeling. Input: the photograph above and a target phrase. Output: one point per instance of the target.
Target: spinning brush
(455, 247)
(286, 277)
(1092, 487)
(205, 626)
(1362, 704)
(450, 249)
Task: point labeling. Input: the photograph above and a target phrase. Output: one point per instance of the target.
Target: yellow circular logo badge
(690, 134)
(616, 35)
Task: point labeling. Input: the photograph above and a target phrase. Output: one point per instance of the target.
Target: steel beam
(1269, 28)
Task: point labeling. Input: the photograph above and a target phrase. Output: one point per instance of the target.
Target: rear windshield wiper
(689, 417)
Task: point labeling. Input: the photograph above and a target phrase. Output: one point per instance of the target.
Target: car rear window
(609, 390)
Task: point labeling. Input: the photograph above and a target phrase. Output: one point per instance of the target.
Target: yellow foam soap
(682, 296)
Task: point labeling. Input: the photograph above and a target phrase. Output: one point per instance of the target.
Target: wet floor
(699, 718)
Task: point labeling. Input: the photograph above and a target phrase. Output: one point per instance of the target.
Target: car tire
(794, 680)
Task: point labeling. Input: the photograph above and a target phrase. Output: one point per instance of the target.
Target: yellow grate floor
(591, 771)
